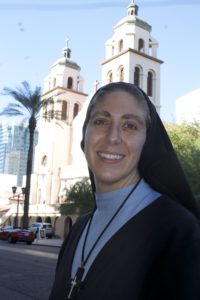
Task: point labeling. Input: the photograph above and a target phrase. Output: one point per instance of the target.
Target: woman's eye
(129, 126)
(100, 122)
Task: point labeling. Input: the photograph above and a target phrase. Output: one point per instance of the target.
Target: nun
(142, 241)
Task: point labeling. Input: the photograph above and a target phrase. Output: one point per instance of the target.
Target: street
(26, 271)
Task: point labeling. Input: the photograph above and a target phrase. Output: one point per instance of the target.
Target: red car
(16, 234)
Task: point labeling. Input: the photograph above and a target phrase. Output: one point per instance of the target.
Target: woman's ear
(82, 145)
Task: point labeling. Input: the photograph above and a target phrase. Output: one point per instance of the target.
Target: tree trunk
(32, 126)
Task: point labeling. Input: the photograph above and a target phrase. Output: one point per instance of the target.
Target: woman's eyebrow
(127, 116)
(134, 117)
(100, 113)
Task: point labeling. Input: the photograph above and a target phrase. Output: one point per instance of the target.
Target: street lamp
(14, 189)
(23, 190)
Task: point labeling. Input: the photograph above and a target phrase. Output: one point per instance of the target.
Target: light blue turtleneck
(107, 204)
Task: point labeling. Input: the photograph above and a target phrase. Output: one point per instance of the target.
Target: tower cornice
(133, 51)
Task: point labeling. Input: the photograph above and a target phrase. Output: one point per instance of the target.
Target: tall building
(131, 55)
(5, 144)
(14, 144)
(188, 107)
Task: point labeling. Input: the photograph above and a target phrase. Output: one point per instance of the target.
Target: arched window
(45, 111)
(76, 108)
(64, 110)
(113, 50)
(68, 53)
(141, 45)
(121, 74)
(137, 76)
(39, 219)
(78, 82)
(109, 77)
(69, 82)
(44, 161)
(48, 112)
(48, 220)
(150, 84)
(150, 47)
(120, 45)
(131, 12)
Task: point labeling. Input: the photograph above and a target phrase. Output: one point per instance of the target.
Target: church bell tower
(65, 86)
(131, 55)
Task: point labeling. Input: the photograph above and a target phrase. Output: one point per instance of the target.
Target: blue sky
(33, 33)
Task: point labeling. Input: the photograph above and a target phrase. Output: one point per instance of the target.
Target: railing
(7, 215)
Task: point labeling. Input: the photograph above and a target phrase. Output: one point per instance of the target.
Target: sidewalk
(48, 242)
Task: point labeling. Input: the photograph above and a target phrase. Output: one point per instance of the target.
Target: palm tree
(27, 103)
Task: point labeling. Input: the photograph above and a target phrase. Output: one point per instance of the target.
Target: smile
(110, 156)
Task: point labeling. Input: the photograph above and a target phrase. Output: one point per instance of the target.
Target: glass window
(137, 76)
(150, 84)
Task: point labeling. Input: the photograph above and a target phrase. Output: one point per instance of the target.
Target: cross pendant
(76, 282)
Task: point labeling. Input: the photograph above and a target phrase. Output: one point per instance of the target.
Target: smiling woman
(142, 241)
(114, 139)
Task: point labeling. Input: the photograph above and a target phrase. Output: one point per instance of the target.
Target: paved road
(26, 272)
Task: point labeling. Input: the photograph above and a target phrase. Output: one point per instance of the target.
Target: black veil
(159, 164)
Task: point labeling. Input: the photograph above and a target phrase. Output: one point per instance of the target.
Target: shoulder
(176, 221)
(171, 209)
(175, 235)
(175, 211)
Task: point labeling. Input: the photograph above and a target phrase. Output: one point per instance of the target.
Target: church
(130, 56)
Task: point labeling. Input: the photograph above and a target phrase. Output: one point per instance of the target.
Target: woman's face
(114, 139)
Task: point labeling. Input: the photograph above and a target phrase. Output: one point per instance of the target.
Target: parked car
(16, 234)
(43, 227)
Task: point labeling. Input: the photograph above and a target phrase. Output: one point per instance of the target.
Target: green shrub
(79, 198)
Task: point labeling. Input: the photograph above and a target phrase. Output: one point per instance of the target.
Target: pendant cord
(84, 260)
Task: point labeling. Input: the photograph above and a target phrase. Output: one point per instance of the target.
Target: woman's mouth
(110, 156)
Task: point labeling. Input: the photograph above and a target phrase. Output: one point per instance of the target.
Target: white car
(47, 227)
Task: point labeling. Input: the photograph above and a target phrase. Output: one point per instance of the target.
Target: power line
(90, 6)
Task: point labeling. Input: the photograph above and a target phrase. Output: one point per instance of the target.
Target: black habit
(154, 256)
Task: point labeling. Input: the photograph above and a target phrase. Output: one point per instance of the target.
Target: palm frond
(46, 102)
(28, 99)
(17, 96)
(12, 109)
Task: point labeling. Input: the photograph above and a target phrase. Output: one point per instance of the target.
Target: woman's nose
(114, 134)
